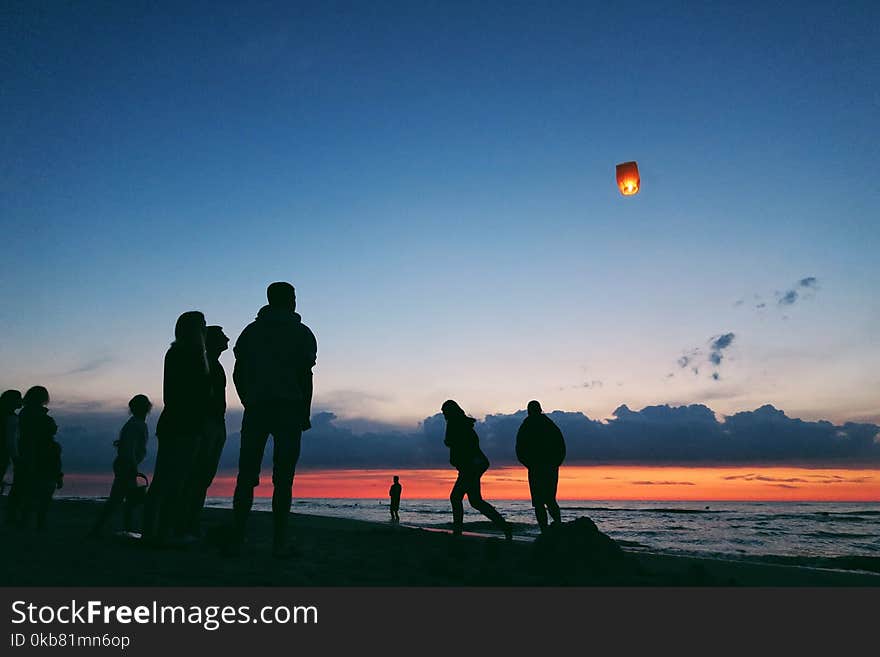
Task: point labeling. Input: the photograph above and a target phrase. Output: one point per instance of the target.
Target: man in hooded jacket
(541, 448)
(274, 357)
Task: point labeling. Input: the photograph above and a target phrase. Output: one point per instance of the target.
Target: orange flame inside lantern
(628, 178)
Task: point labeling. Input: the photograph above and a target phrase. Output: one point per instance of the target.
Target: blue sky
(437, 181)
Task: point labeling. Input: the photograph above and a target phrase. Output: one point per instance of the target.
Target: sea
(843, 536)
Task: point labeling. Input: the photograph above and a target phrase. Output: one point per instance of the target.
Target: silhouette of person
(541, 448)
(49, 477)
(38, 465)
(211, 448)
(10, 402)
(274, 356)
(131, 449)
(394, 493)
(470, 461)
(180, 428)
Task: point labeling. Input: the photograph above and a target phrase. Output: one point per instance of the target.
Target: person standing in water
(394, 493)
(131, 449)
(470, 461)
(274, 357)
(541, 448)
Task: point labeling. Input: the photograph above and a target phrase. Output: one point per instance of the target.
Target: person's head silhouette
(190, 328)
(140, 406)
(396, 479)
(10, 401)
(36, 396)
(451, 409)
(216, 341)
(281, 295)
(534, 408)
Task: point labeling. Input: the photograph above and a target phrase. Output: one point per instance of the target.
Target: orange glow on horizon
(597, 483)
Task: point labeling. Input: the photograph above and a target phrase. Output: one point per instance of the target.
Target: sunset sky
(437, 180)
(576, 483)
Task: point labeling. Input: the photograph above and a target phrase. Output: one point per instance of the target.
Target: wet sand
(343, 552)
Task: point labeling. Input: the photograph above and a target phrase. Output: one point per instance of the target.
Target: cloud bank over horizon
(655, 435)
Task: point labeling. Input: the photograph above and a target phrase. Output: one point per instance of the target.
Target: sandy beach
(343, 552)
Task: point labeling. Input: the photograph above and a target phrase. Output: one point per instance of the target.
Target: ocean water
(827, 534)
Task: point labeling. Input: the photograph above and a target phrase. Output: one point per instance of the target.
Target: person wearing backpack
(131, 449)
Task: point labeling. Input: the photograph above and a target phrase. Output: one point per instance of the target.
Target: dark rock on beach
(576, 551)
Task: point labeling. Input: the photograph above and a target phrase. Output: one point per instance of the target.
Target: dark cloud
(663, 434)
(717, 345)
(804, 288)
(757, 477)
(663, 483)
(790, 296)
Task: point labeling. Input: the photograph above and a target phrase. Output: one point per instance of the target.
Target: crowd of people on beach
(274, 358)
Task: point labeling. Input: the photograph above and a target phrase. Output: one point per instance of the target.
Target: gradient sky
(437, 181)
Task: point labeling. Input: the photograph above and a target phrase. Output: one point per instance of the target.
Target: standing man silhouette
(541, 448)
(274, 356)
(394, 493)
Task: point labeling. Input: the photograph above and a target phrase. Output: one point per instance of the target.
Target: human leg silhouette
(456, 496)
(123, 481)
(475, 497)
(555, 513)
(541, 516)
(550, 496)
(43, 498)
(178, 474)
(468, 483)
(254, 434)
(287, 440)
(207, 461)
(537, 495)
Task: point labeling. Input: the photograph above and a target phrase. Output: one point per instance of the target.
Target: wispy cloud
(716, 346)
(804, 288)
(89, 365)
(816, 479)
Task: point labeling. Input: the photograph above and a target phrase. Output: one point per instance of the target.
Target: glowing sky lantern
(628, 178)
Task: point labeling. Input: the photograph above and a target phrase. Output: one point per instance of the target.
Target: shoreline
(337, 551)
